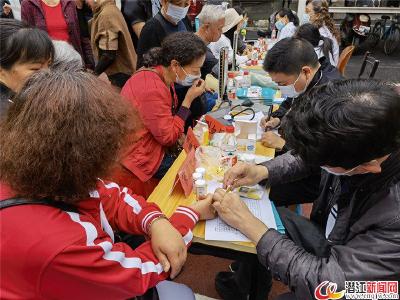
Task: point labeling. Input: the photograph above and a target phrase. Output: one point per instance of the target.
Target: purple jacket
(33, 14)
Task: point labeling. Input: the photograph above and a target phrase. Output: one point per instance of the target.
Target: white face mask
(176, 13)
(189, 79)
(290, 91)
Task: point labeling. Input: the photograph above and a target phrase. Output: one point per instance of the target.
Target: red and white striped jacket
(47, 253)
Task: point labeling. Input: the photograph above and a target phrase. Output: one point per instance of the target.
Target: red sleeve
(95, 268)
(101, 271)
(125, 211)
(27, 13)
(156, 109)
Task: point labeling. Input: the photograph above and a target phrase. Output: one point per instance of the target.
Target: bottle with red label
(229, 148)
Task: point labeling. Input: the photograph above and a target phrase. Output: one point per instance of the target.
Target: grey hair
(211, 14)
(66, 57)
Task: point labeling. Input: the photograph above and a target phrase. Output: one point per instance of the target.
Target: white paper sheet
(218, 230)
(259, 115)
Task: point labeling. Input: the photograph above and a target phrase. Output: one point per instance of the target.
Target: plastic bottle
(231, 87)
(196, 176)
(201, 189)
(246, 79)
(254, 57)
(229, 148)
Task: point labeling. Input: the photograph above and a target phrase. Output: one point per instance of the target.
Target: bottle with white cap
(201, 171)
(201, 189)
(196, 176)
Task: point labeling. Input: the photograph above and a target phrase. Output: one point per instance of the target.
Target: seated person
(323, 46)
(286, 23)
(233, 23)
(355, 220)
(151, 91)
(171, 19)
(293, 64)
(57, 216)
(212, 21)
(24, 51)
(111, 42)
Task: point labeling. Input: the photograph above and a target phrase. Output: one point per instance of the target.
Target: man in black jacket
(352, 130)
(293, 64)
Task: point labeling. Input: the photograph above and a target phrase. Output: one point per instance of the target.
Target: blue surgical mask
(290, 91)
(189, 79)
(244, 24)
(279, 25)
(306, 19)
(176, 13)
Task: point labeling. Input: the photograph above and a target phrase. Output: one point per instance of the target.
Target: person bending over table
(293, 64)
(59, 243)
(151, 91)
(352, 130)
(286, 23)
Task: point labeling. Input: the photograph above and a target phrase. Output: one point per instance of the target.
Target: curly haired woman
(317, 13)
(62, 133)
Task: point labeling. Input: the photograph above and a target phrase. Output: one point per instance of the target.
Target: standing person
(57, 238)
(354, 231)
(111, 42)
(24, 51)
(285, 23)
(137, 13)
(323, 46)
(170, 19)
(59, 18)
(317, 13)
(151, 91)
(212, 22)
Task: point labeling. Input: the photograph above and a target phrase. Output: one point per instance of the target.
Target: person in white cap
(233, 22)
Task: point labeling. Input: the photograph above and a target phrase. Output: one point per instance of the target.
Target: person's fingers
(240, 182)
(176, 265)
(219, 195)
(163, 261)
(217, 206)
(263, 122)
(233, 174)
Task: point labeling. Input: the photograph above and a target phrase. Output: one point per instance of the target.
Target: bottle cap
(200, 182)
(197, 176)
(200, 170)
(231, 75)
(230, 129)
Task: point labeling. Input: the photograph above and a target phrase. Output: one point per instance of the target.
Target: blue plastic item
(267, 94)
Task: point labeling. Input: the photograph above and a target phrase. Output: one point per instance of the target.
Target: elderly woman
(24, 51)
(58, 216)
(151, 91)
(111, 42)
(66, 57)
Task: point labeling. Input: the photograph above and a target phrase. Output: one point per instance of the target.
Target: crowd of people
(94, 106)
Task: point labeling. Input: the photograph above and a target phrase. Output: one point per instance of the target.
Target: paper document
(259, 115)
(218, 230)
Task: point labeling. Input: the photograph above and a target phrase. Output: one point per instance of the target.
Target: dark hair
(19, 43)
(239, 10)
(311, 33)
(183, 47)
(345, 123)
(289, 13)
(323, 17)
(63, 132)
(289, 55)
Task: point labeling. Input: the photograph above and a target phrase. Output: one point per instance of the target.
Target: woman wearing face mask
(171, 19)
(317, 13)
(151, 91)
(286, 23)
(24, 51)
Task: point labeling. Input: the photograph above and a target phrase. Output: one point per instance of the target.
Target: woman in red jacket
(151, 92)
(60, 19)
(62, 133)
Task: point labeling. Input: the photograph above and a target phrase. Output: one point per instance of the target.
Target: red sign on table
(191, 141)
(185, 173)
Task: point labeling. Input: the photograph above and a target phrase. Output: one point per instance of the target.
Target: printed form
(218, 230)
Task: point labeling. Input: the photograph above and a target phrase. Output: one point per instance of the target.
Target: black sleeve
(106, 58)
(151, 36)
(134, 12)
(283, 108)
(209, 64)
(83, 15)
